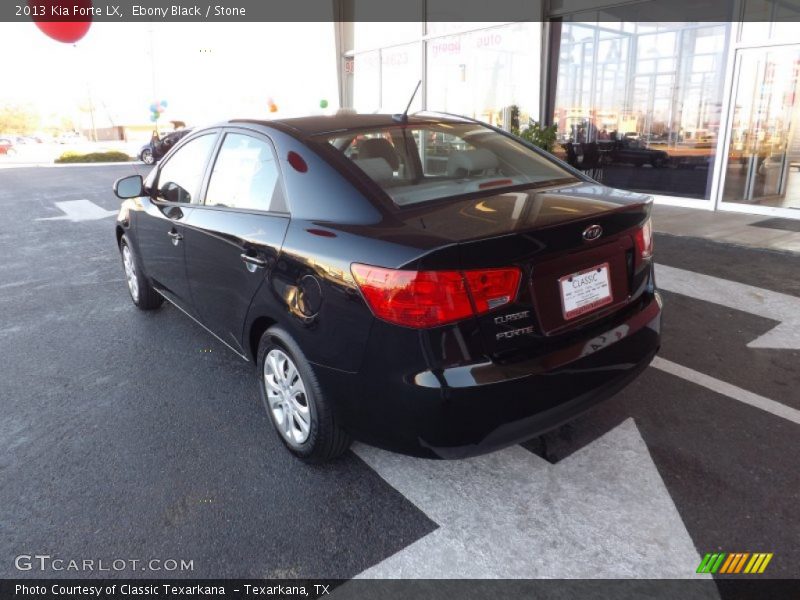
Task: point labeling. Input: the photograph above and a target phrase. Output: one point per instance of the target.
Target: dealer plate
(585, 291)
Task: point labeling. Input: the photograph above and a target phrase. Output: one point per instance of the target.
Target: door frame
(729, 106)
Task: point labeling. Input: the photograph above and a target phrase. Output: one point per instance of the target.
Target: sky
(205, 71)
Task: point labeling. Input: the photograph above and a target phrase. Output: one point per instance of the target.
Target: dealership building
(702, 114)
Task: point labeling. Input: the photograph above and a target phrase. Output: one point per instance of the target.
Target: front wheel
(142, 293)
(299, 410)
(659, 162)
(147, 157)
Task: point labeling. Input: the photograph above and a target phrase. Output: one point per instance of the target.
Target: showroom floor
(729, 227)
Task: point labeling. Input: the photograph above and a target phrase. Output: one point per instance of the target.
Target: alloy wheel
(286, 397)
(130, 272)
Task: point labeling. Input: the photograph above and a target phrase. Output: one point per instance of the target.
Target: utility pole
(80, 60)
(91, 111)
(153, 67)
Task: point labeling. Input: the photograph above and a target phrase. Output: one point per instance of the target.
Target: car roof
(328, 124)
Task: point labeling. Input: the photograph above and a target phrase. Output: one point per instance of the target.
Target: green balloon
(323, 103)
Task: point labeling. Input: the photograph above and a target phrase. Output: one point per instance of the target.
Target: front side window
(245, 175)
(420, 163)
(181, 176)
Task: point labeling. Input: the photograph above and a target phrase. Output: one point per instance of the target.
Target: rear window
(421, 163)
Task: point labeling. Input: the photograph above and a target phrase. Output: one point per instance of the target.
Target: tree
(18, 119)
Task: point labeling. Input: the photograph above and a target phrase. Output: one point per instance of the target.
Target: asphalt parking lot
(137, 435)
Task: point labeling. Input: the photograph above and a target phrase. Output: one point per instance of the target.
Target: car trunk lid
(542, 232)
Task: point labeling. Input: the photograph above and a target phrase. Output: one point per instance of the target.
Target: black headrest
(379, 148)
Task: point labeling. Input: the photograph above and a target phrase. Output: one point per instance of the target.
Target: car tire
(141, 291)
(147, 157)
(280, 383)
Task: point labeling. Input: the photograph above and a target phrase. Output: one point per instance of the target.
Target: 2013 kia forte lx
(426, 283)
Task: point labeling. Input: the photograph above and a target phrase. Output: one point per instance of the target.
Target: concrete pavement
(136, 435)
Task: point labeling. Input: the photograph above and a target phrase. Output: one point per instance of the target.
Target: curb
(56, 165)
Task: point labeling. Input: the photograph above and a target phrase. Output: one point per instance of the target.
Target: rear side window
(180, 178)
(245, 175)
(415, 164)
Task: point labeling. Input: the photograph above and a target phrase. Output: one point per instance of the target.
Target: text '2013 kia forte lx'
(427, 284)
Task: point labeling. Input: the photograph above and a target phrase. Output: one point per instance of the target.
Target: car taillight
(644, 240)
(422, 299)
(493, 287)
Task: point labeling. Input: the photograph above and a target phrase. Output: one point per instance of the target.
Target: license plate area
(585, 291)
(546, 287)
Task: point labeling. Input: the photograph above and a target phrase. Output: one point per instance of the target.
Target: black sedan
(635, 152)
(442, 304)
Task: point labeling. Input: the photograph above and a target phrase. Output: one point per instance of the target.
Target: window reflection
(244, 175)
(645, 98)
(180, 178)
(483, 73)
(383, 80)
(480, 74)
(764, 149)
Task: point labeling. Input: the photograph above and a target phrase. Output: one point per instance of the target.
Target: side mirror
(131, 186)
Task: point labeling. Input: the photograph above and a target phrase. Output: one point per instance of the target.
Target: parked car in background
(7, 146)
(441, 312)
(71, 137)
(635, 152)
(158, 146)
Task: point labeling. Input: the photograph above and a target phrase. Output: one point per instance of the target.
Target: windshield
(421, 163)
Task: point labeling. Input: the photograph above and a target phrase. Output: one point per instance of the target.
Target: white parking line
(740, 296)
(80, 210)
(726, 389)
(602, 512)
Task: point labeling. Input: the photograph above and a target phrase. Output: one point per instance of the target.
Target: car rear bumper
(477, 408)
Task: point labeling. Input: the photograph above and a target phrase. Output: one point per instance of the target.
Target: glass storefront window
(400, 72)
(649, 96)
(769, 20)
(364, 74)
(383, 80)
(764, 149)
(482, 74)
(438, 28)
(370, 36)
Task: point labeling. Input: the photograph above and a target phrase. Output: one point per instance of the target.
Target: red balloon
(57, 19)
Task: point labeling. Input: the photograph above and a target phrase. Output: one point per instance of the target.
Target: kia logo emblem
(592, 232)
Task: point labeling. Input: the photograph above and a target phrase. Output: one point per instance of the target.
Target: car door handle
(176, 237)
(253, 260)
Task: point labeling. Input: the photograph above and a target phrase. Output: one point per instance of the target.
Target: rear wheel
(147, 156)
(142, 293)
(294, 401)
